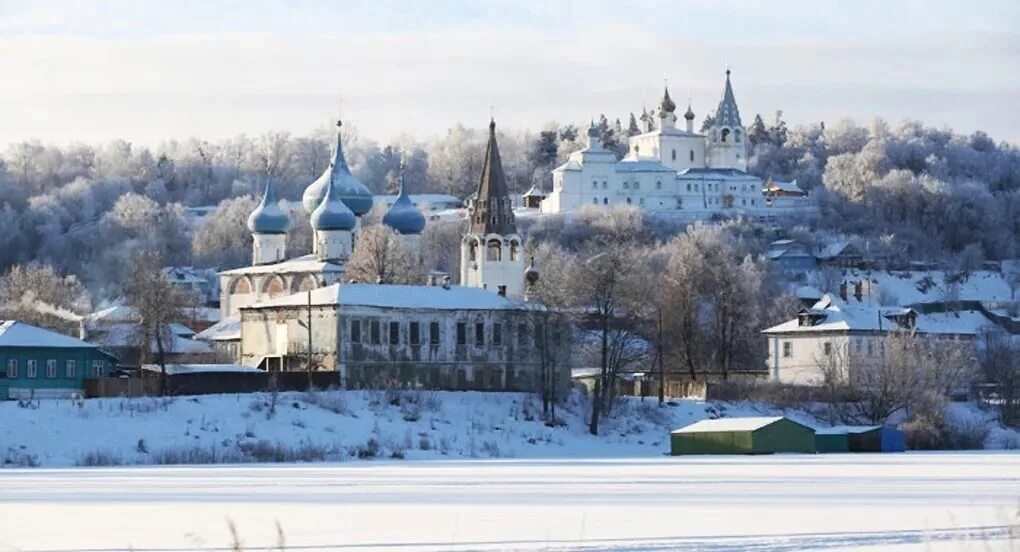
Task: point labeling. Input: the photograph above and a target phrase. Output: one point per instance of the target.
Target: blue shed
(879, 438)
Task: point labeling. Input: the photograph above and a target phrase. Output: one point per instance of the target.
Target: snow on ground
(782, 503)
(346, 425)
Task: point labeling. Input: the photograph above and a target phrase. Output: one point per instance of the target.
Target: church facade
(667, 169)
(300, 314)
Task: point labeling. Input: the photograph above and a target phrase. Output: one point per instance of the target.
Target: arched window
(725, 134)
(494, 251)
(514, 250)
(637, 149)
(595, 200)
(240, 286)
(658, 184)
(305, 283)
(692, 156)
(637, 185)
(674, 155)
(605, 201)
(628, 201)
(273, 286)
(473, 250)
(626, 185)
(736, 135)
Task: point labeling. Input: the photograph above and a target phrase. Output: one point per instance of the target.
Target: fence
(210, 383)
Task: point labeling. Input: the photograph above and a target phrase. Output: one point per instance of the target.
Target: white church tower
(268, 224)
(727, 138)
(491, 253)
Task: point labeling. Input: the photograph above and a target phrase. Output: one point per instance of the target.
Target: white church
(668, 169)
(296, 314)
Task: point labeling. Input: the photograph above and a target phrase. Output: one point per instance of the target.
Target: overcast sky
(146, 71)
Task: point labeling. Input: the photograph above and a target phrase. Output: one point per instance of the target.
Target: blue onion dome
(332, 213)
(268, 217)
(403, 216)
(357, 197)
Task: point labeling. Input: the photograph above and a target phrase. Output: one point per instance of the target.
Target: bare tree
(159, 303)
(380, 256)
(1000, 367)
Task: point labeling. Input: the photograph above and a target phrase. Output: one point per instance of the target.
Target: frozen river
(963, 501)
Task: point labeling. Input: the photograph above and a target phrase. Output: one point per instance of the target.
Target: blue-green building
(45, 364)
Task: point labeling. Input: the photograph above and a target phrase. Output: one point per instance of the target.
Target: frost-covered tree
(223, 240)
(380, 256)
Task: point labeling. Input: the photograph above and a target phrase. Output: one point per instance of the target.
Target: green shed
(757, 435)
(831, 440)
(36, 362)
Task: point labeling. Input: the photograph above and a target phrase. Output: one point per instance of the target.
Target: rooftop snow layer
(228, 329)
(397, 296)
(305, 263)
(839, 316)
(729, 424)
(14, 333)
(176, 369)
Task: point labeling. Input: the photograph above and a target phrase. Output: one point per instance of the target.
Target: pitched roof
(491, 212)
(729, 424)
(304, 263)
(396, 296)
(839, 316)
(14, 333)
(228, 329)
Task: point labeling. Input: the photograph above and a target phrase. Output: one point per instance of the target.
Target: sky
(94, 70)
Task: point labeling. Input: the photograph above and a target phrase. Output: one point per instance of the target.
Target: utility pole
(309, 367)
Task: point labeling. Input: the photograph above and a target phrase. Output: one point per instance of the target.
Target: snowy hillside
(338, 425)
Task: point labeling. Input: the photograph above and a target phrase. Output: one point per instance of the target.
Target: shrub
(100, 458)
(936, 430)
(369, 450)
(331, 400)
(194, 455)
(20, 458)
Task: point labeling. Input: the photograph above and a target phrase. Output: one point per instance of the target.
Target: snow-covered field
(350, 425)
(912, 501)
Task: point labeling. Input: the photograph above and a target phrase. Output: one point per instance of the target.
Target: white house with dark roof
(667, 169)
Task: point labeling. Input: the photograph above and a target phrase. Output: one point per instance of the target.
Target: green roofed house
(35, 362)
(755, 435)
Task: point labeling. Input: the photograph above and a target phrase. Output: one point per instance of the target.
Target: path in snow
(963, 501)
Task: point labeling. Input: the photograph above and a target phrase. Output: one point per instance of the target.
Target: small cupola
(268, 217)
(403, 216)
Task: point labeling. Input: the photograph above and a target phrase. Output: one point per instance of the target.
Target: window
(725, 134)
(355, 331)
(674, 155)
(12, 368)
(626, 185)
(473, 251)
(605, 201)
(415, 336)
(827, 348)
(594, 184)
(688, 186)
(522, 335)
(394, 333)
(871, 348)
(461, 333)
(787, 349)
(479, 334)
(514, 250)
(71, 369)
(692, 156)
(628, 201)
(97, 368)
(695, 187)
(31, 369)
(51, 368)
(595, 200)
(494, 251)
(637, 185)
(497, 334)
(375, 332)
(434, 333)
(658, 184)
(605, 185)
(501, 290)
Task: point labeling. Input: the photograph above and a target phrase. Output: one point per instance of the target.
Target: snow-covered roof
(228, 329)
(839, 316)
(930, 286)
(714, 172)
(303, 264)
(14, 333)
(117, 313)
(436, 201)
(181, 330)
(790, 187)
(642, 166)
(126, 335)
(176, 369)
(844, 429)
(534, 191)
(184, 274)
(396, 296)
(671, 131)
(729, 424)
(570, 165)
